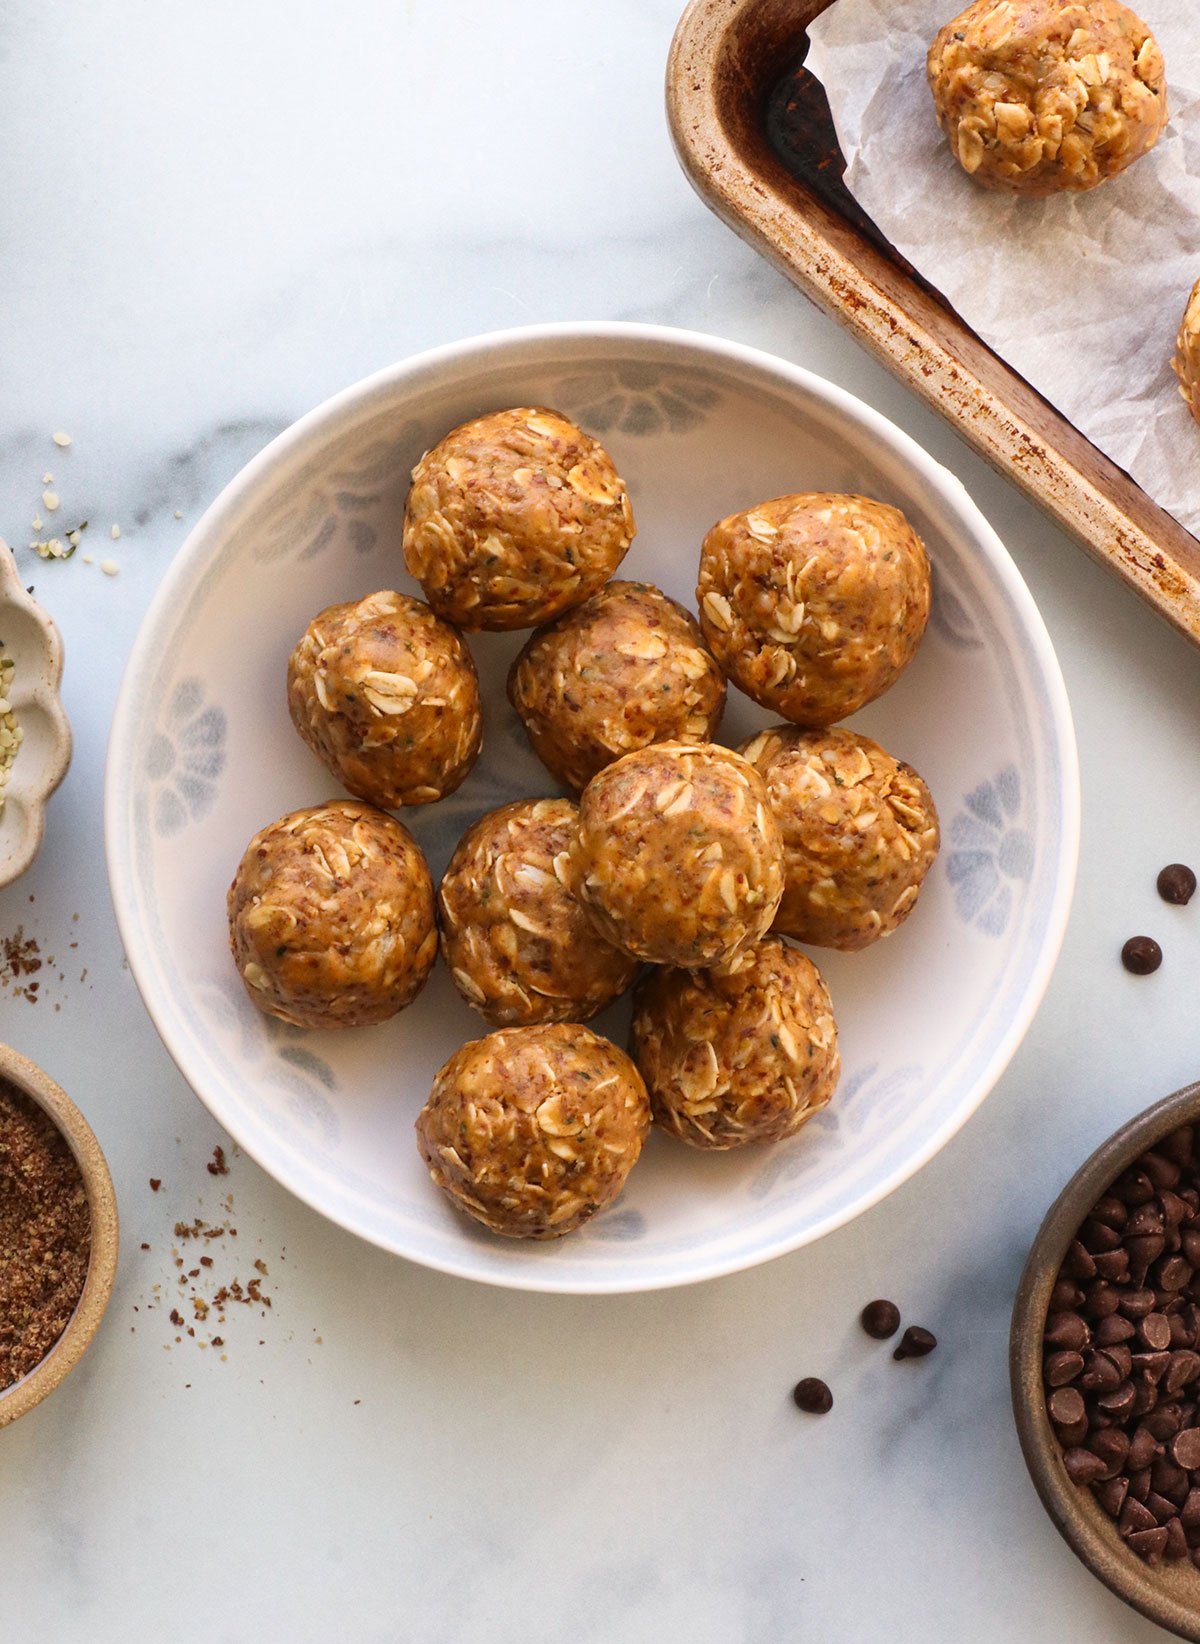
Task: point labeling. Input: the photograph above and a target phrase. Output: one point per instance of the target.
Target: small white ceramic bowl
(29, 636)
(202, 754)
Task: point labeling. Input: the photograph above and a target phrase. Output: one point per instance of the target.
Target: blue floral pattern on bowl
(992, 854)
(185, 757)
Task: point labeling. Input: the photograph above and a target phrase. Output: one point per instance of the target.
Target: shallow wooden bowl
(1168, 1594)
(85, 1321)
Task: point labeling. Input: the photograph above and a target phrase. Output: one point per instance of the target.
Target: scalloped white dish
(28, 635)
(202, 754)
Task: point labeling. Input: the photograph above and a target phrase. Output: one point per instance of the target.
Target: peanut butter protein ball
(534, 1129)
(814, 604)
(739, 1054)
(513, 518)
(1187, 353)
(628, 668)
(860, 833)
(678, 859)
(1041, 96)
(385, 694)
(331, 917)
(519, 946)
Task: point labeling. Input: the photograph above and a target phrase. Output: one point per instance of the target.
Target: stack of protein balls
(678, 858)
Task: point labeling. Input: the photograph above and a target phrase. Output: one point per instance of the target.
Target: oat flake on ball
(745, 1053)
(627, 668)
(386, 695)
(534, 1129)
(518, 945)
(1040, 97)
(814, 604)
(513, 518)
(678, 859)
(860, 832)
(331, 917)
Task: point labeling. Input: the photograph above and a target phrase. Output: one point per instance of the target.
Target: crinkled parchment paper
(1082, 294)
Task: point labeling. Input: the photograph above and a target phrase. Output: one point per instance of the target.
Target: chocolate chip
(1164, 1422)
(1176, 884)
(1174, 1273)
(1149, 1544)
(1079, 1263)
(1153, 1366)
(915, 1343)
(1185, 1448)
(1110, 1212)
(1168, 1479)
(1100, 1372)
(1190, 1511)
(1113, 1330)
(1111, 1493)
(1190, 1244)
(1102, 1299)
(1147, 1218)
(1112, 1265)
(1175, 1210)
(1141, 955)
(1177, 1546)
(1183, 1329)
(1065, 1406)
(1159, 1507)
(1155, 1331)
(1143, 1253)
(1133, 1187)
(1119, 1403)
(1068, 1330)
(1163, 1172)
(1184, 1368)
(812, 1396)
(1143, 1447)
(1135, 1304)
(1062, 1368)
(1134, 1516)
(1112, 1446)
(1096, 1237)
(1083, 1467)
(1180, 1145)
(881, 1319)
(1139, 1484)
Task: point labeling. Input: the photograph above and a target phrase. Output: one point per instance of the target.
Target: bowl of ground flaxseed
(58, 1235)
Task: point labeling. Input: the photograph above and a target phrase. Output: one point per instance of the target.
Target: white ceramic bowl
(202, 754)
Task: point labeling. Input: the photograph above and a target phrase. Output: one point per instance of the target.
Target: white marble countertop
(218, 215)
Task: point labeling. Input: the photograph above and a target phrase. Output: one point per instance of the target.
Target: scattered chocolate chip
(812, 1395)
(1141, 955)
(1177, 884)
(155, 1183)
(915, 1343)
(881, 1319)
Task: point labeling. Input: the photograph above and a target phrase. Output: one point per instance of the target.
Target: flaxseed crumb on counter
(45, 1234)
(205, 1287)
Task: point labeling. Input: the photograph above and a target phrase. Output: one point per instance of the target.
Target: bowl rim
(21, 1397)
(48, 695)
(701, 348)
(1084, 1528)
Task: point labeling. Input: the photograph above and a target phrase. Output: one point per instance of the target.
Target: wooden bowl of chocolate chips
(1104, 1359)
(58, 1235)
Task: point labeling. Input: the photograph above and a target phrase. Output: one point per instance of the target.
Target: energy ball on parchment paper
(813, 604)
(628, 668)
(1187, 353)
(518, 945)
(1043, 97)
(534, 1129)
(514, 518)
(860, 832)
(385, 694)
(678, 859)
(331, 917)
(744, 1053)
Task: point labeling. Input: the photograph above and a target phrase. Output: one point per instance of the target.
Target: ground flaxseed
(45, 1234)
